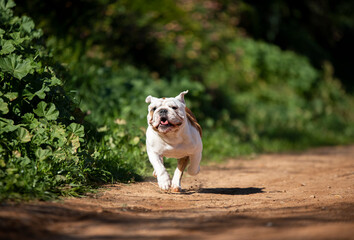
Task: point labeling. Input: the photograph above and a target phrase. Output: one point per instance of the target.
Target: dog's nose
(163, 111)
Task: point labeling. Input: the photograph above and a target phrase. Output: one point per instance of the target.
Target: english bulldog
(173, 132)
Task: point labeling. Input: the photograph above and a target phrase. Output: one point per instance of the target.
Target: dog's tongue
(164, 122)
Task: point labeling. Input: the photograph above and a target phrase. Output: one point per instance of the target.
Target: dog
(173, 132)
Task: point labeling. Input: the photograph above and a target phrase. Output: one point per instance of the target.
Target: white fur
(180, 142)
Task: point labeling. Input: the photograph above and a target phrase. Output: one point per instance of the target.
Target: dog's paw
(176, 188)
(164, 182)
(164, 185)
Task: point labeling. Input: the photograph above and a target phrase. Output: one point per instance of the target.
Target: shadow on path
(231, 191)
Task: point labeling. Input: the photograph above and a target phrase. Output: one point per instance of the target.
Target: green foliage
(254, 94)
(122, 151)
(44, 149)
(270, 96)
(37, 151)
(123, 92)
(306, 27)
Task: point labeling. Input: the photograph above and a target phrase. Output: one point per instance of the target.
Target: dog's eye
(153, 109)
(174, 108)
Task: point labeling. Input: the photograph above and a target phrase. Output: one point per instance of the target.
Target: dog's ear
(180, 97)
(149, 99)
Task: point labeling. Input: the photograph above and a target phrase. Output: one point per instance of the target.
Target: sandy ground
(307, 195)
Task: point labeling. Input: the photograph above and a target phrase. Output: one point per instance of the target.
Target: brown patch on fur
(176, 190)
(182, 163)
(193, 120)
(151, 113)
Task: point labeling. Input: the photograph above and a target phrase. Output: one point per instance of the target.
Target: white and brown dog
(173, 132)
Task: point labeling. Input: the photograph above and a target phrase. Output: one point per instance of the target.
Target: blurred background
(263, 76)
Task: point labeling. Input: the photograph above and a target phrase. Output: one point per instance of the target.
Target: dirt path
(283, 196)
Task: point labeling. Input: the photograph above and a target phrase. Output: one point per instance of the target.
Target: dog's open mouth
(164, 123)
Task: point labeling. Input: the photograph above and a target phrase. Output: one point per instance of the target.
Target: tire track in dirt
(306, 195)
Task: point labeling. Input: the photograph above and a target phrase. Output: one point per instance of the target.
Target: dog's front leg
(162, 176)
(177, 177)
(154, 172)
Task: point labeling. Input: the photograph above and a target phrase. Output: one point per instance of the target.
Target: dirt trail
(279, 196)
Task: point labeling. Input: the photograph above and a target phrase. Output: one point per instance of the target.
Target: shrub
(45, 150)
(276, 100)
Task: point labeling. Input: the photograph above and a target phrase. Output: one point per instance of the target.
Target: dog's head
(166, 114)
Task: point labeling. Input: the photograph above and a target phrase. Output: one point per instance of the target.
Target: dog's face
(166, 114)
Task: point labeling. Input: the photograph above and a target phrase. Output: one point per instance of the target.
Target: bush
(45, 150)
(270, 98)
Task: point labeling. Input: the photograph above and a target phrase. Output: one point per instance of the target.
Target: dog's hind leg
(194, 167)
(176, 180)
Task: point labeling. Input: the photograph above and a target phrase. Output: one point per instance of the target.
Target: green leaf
(17, 39)
(135, 141)
(7, 125)
(15, 66)
(41, 93)
(11, 95)
(3, 107)
(49, 112)
(27, 92)
(27, 24)
(2, 163)
(25, 161)
(23, 135)
(42, 154)
(6, 47)
(59, 134)
(28, 117)
(4, 5)
(55, 81)
(77, 129)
